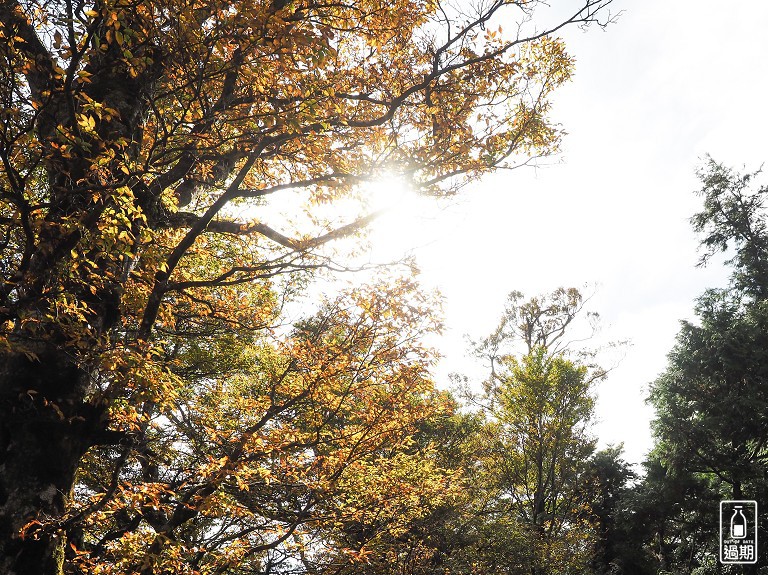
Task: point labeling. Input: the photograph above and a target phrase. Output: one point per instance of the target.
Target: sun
(387, 194)
(401, 213)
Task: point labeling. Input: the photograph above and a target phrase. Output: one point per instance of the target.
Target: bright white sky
(668, 83)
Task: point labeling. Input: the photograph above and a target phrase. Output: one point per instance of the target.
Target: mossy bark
(43, 435)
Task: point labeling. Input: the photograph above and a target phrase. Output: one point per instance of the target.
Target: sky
(651, 95)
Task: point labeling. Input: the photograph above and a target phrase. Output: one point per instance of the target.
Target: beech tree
(254, 464)
(140, 143)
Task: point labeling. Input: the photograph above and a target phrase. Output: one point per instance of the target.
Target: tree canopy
(141, 143)
(711, 400)
(536, 408)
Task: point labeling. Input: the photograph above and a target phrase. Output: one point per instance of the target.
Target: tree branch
(187, 219)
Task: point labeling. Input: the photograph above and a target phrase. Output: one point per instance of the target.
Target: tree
(140, 142)
(541, 322)
(734, 218)
(251, 466)
(545, 405)
(539, 404)
(516, 478)
(465, 529)
(712, 394)
(624, 513)
(445, 537)
(672, 514)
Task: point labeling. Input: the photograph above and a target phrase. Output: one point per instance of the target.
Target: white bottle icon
(738, 523)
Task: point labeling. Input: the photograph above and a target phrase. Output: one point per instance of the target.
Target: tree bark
(43, 435)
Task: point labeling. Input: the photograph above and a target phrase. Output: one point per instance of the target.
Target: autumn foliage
(154, 417)
(258, 460)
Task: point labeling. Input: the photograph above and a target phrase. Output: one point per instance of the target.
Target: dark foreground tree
(140, 144)
(626, 514)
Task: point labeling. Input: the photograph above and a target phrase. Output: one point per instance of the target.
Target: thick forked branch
(188, 159)
(161, 279)
(186, 219)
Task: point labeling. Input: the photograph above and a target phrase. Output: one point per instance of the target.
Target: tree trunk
(44, 423)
